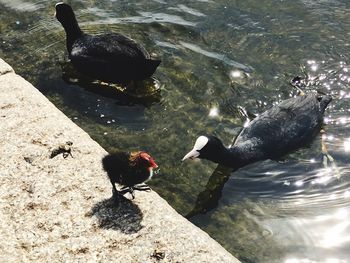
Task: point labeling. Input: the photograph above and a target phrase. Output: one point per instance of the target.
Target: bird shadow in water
(146, 92)
(123, 215)
(210, 196)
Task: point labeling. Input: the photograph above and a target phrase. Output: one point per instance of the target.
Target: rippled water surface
(218, 57)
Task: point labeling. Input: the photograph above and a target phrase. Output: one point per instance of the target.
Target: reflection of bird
(210, 196)
(129, 170)
(109, 57)
(277, 131)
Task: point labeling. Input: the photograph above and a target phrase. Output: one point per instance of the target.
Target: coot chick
(108, 57)
(279, 130)
(129, 170)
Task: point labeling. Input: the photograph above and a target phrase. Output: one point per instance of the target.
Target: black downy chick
(129, 170)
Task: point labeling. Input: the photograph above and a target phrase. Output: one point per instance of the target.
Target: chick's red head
(145, 157)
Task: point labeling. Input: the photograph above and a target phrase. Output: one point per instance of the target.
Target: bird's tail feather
(152, 65)
(324, 101)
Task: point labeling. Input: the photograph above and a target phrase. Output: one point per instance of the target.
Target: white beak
(60, 3)
(192, 154)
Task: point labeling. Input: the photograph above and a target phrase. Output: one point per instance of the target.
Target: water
(218, 57)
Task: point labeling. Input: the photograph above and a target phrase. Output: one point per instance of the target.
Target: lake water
(218, 57)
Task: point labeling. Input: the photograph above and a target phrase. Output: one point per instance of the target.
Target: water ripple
(22, 6)
(145, 18)
(215, 55)
(188, 10)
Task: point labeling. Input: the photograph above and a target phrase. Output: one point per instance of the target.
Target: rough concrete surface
(58, 209)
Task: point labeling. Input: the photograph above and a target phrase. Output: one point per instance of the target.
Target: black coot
(279, 130)
(108, 57)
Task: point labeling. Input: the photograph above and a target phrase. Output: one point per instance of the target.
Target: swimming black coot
(129, 170)
(108, 57)
(279, 130)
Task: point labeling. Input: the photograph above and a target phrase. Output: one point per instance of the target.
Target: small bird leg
(127, 189)
(327, 158)
(131, 189)
(296, 83)
(142, 187)
(132, 193)
(124, 190)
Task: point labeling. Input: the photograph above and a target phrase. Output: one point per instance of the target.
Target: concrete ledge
(55, 210)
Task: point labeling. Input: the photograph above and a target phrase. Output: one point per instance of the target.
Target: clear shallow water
(217, 56)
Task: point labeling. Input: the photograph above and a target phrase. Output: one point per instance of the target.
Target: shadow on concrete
(123, 215)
